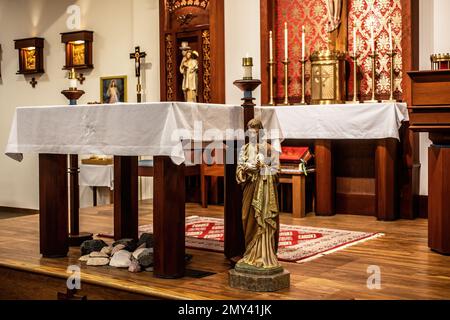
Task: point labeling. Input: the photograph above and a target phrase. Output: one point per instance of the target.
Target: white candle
(354, 42)
(303, 43)
(390, 37)
(72, 80)
(271, 46)
(372, 40)
(286, 45)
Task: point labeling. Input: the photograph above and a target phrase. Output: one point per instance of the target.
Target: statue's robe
(260, 206)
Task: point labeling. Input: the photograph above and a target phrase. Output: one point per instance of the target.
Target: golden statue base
(389, 101)
(352, 102)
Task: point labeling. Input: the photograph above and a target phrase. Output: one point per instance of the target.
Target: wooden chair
(146, 169)
(213, 172)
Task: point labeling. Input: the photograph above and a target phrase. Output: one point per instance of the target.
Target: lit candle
(247, 64)
(390, 37)
(72, 79)
(286, 46)
(354, 42)
(303, 43)
(271, 46)
(372, 40)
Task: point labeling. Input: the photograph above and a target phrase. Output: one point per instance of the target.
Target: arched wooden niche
(200, 23)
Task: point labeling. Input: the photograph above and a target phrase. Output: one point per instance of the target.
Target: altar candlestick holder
(76, 238)
(391, 99)
(374, 56)
(286, 83)
(355, 80)
(271, 83)
(303, 62)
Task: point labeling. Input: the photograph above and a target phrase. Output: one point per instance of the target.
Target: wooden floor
(409, 269)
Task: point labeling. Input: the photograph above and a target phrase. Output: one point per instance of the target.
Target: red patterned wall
(362, 15)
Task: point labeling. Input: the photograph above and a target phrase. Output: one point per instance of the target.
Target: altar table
(327, 123)
(127, 131)
(159, 129)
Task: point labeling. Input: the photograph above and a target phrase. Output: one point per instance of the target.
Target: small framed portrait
(113, 89)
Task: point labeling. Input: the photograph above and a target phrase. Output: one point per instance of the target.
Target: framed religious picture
(113, 89)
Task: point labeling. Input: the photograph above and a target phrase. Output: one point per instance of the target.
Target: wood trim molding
(18, 210)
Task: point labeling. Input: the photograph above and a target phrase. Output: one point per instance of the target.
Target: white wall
(119, 25)
(242, 36)
(434, 38)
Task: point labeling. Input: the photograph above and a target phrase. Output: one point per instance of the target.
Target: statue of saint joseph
(189, 69)
(257, 172)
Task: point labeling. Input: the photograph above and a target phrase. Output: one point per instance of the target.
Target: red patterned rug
(296, 243)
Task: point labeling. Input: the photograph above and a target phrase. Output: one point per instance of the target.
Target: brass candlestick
(374, 56)
(286, 82)
(355, 80)
(303, 62)
(391, 55)
(271, 83)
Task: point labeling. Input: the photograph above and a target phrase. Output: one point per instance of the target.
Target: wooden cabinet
(430, 112)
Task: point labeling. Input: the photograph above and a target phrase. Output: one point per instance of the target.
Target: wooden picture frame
(119, 95)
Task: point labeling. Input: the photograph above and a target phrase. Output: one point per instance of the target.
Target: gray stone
(130, 244)
(84, 258)
(92, 246)
(117, 248)
(138, 252)
(98, 262)
(145, 258)
(134, 267)
(147, 239)
(98, 255)
(107, 250)
(259, 282)
(121, 259)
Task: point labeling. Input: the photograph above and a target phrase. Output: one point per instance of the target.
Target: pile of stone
(125, 253)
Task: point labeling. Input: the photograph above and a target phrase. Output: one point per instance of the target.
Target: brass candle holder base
(286, 83)
(355, 81)
(374, 87)
(391, 99)
(303, 102)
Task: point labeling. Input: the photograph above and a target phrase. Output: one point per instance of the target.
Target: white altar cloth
(96, 176)
(148, 129)
(336, 122)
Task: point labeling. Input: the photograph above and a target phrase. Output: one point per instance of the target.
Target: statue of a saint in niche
(189, 69)
(257, 172)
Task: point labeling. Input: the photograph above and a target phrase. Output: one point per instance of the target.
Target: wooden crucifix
(137, 55)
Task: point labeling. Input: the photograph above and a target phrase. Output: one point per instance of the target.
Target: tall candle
(303, 43)
(372, 40)
(354, 42)
(286, 47)
(72, 79)
(271, 46)
(390, 37)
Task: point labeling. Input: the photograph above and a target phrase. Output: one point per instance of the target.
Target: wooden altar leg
(75, 237)
(126, 197)
(439, 199)
(169, 218)
(386, 178)
(53, 206)
(325, 184)
(234, 232)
